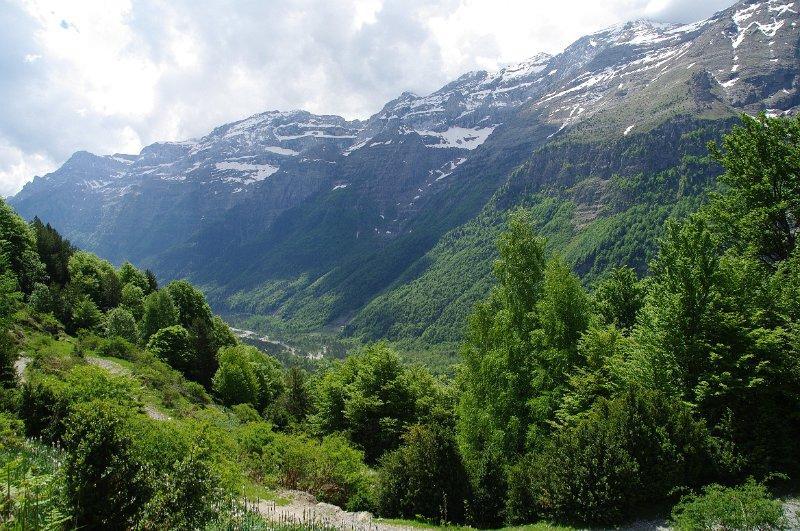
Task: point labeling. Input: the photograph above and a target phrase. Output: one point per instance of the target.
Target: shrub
(184, 495)
(105, 486)
(120, 323)
(246, 413)
(173, 345)
(625, 453)
(86, 315)
(235, 382)
(748, 506)
(48, 401)
(117, 347)
(424, 477)
(41, 299)
(330, 469)
(247, 376)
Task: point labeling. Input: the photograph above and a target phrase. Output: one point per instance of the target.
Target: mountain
(385, 227)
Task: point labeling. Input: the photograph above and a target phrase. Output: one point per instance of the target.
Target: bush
(247, 376)
(424, 477)
(120, 323)
(626, 453)
(330, 469)
(105, 485)
(41, 298)
(184, 496)
(748, 506)
(173, 345)
(48, 401)
(86, 315)
(117, 347)
(235, 382)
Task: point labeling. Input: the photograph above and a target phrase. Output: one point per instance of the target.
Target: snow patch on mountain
(254, 172)
(459, 137)
(282, 151)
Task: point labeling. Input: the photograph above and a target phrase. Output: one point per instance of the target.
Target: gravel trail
(303, 508)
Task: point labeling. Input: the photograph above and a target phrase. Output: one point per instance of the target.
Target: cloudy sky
(115, 75)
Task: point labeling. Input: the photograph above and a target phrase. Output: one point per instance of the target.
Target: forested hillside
(674, 395)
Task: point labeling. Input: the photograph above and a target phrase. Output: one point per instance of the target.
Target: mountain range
(385, 228)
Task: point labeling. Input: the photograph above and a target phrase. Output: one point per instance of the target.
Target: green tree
(628, 452)
(94, 278)
(236, 381)
(173, 345)
(159, 312)
(297, 398)
(132, 299)
(425, 476)
(152, 283)
(18, 249)
(129, 274)
(9, 299)
(371, 398)
(619, 297)
(759, 211)
(54, 252)
(208, 334)
(248, 376)
(120, 323)
(41, 298)
(86, 315)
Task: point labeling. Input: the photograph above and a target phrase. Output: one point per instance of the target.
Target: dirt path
(118, 370)
(303, 508)
(20, 365)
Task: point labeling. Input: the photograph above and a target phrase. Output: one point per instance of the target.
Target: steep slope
(386, 225)
(134, 206)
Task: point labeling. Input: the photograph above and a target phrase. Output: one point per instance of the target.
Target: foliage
(120, 323)
(105, 486)
(159, 312)
(235, 381)
(424, 477)
(371, 398)
(86, 315)
(95, 279)
(32, 486)
(47, 401)
(627, 453)
(129, 275)
(54, 252)
(759, 213)
(330, 469)
(748, 506)
(619, 297)
(173, 345)
(132, 299)
(185, 495)
(18, 249)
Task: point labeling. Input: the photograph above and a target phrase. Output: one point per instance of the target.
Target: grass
(254, 491)
(541, 526)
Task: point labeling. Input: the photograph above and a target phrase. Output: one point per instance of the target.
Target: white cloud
(16, 167)
(114, 75)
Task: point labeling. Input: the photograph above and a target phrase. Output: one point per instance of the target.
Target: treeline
(570, 406)
(592, 408)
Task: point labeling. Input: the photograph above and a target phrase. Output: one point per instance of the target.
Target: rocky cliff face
(307, 218)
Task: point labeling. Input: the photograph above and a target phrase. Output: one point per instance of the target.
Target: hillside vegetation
(674, 393)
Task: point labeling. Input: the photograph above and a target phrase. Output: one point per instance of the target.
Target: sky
(112, 76)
